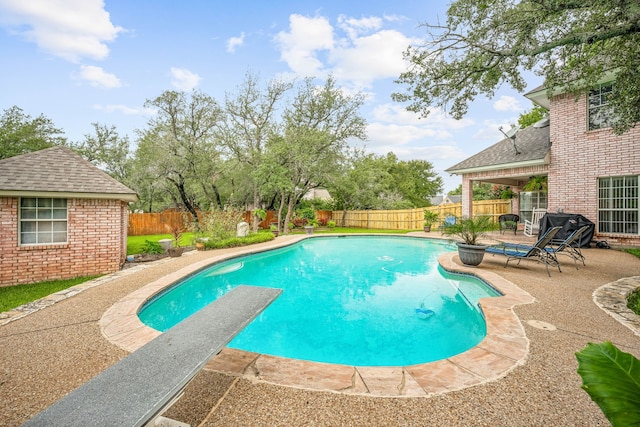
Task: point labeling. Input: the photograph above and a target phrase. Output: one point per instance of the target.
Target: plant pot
(175, 252)
(200, 246)
(275, 232)
(166, 244)
(308, 229)
(471, 254)
(427, 228)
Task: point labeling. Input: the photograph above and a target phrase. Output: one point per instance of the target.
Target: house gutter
(537, 162)
(132, 197)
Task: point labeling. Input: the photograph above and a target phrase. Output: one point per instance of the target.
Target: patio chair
(508, 222)
(567, 246)
(537, 252)
(532, 227)
(449, 220)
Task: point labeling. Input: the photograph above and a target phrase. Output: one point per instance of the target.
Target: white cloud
(507, 103)
(353, 27)
(369, 58)
(126, 110)
(395, 113)
(184, 79)
(365, 52)
(490, 131)
(235, 42)
(299, 46)
(96, 76)
(70, 29)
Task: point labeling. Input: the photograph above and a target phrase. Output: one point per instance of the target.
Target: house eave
(541, 96)
(125, 197)
(488, 168)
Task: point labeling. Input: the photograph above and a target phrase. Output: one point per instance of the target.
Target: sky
(79, 62)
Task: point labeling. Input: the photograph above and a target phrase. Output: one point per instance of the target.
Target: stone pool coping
(505, 346)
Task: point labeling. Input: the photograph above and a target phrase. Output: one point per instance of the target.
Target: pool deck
(523, 373)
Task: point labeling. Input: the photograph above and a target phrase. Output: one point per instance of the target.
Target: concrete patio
(60, 345)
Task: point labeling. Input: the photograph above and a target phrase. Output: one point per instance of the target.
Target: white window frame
(619, 205)
(600, 114)
(42, 222)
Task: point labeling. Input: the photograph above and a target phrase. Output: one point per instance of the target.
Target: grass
(136, 243)
(633, 300)
(15, 296)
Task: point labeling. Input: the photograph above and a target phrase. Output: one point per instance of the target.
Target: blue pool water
(356, 300)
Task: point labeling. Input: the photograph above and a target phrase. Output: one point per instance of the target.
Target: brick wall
(579, 157)
(96, 243)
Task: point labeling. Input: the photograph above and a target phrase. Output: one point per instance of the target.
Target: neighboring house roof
(457, 198)
(533, 147)
(445, 200)
(436, 200)
(59, 172)
(317, 193)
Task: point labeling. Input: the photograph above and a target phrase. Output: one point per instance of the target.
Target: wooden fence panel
(413, 219)
(405, 219)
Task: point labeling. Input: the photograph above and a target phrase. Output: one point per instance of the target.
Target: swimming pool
(356, 300)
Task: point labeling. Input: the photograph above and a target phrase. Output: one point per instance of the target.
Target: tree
(180, 148)
(415, 180)
(21, 134)
(485, 44)
(532, 116)
(250, 120)
(317, 126)
(106, 150)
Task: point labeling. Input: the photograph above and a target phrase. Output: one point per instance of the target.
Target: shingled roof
(58, 172)
(533, 148)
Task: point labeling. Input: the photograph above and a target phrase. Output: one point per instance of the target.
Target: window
(530, 200)
(600, 112)
(43, 221)
(618, 205)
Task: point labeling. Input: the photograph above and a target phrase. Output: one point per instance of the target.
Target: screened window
(600, 112)
(43, 221)
(618, 205)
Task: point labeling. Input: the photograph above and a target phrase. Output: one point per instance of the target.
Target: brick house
(60, 217)
(590, 170)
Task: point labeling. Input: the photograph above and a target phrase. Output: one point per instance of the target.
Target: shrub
(233, 242)
(220, 225)
(150, 247)
(633, 302)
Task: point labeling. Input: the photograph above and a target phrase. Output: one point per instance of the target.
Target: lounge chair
(508, 222)
(567, 246)
(532, 227)
(537, 252)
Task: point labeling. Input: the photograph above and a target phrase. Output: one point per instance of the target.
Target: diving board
(140, 387)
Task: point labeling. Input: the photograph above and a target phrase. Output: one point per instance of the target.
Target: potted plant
(469, 231)
(274, 229)
(310, 225)
(429, 218)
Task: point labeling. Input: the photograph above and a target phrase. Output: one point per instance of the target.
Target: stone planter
(471, 254)
(308, 229)
(427, 228)
(175, 252)
(166, 244)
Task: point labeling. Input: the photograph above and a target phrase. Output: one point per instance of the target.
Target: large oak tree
(484, 44)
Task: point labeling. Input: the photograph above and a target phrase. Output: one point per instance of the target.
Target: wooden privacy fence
(406, 219)
(411, 219)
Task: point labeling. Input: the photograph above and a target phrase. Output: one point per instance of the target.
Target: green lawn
(14, 296)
